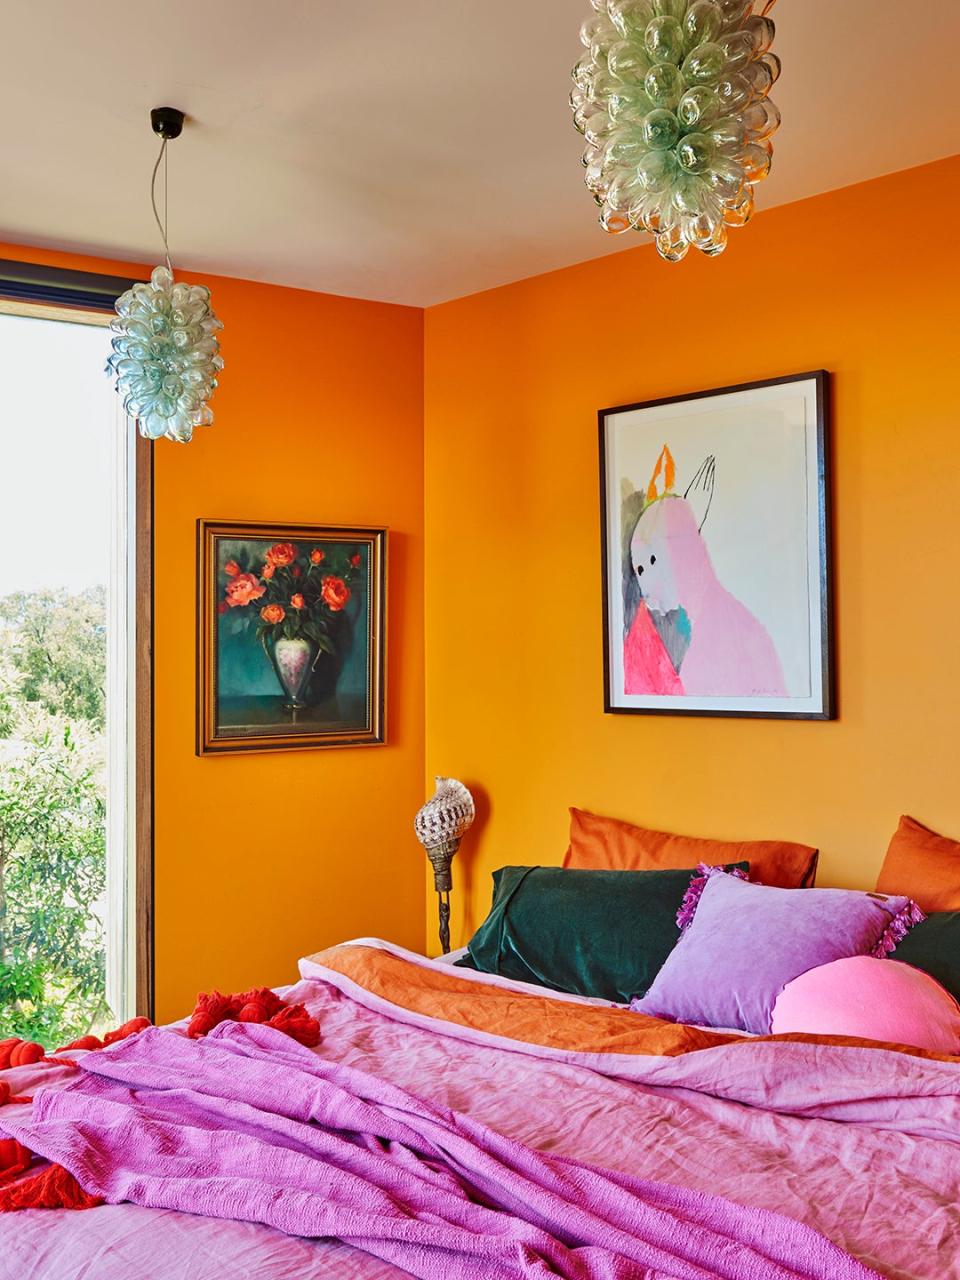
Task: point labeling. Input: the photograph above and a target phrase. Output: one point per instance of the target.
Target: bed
(859, 1141)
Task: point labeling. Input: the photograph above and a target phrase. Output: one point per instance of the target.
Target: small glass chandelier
(166, 356)
(671, 97)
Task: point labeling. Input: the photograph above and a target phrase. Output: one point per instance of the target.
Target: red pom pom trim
(259, 1005)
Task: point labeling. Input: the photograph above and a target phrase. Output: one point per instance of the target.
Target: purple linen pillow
(742, 943)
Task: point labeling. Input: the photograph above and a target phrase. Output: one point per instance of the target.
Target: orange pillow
(924, 866)
(607, 844)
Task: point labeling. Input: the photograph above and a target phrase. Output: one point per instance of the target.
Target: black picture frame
(826, 685)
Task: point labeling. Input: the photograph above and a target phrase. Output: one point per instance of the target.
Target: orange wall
(514, 378)
(263, 858)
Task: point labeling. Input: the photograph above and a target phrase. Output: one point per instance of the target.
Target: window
(75, 678)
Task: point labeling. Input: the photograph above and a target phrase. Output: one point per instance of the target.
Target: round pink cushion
(871, 999)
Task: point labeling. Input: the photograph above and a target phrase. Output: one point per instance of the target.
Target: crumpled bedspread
(880, 1177)
(247, 1125)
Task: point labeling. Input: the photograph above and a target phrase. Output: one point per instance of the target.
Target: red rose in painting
(296, 570)
(273, 613)
(355, 560)
(281, 553)
(231, 568)
(317, 556)
(222, 607)
(335, 593)
(296, 601)
(244, 589)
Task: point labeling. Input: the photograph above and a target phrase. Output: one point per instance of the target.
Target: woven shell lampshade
(440, 826)
(446, 816)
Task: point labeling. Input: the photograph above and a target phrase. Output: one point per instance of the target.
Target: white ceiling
(405, 150)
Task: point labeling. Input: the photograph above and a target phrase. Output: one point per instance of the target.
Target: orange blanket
(453, 995)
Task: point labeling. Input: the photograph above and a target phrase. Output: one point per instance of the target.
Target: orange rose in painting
(296, 601)
(317, 556)
(231, 568)
(244, 589)
(267, 571)
(335, 593)
(281, 553)
(273, 613)
(355, 560)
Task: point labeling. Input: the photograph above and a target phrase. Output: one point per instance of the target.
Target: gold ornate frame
(209, 533)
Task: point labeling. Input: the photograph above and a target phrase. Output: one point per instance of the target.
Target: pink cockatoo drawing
(727, 651)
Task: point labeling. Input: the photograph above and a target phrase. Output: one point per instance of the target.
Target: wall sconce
(440, 825)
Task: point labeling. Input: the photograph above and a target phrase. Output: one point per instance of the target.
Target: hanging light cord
(162, 226)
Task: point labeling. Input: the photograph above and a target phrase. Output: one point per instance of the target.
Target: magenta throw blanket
(249, 1125)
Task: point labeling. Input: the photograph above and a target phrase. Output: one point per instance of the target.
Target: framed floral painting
(291, 636)
(715, 532)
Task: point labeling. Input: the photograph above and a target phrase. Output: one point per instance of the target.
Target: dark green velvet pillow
(934, 947)
(592, 933)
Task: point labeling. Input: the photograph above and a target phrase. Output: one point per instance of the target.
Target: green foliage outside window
(57, 645)
(52, 815)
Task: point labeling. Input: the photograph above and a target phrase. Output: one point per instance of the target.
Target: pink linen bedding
(247, 1125)
(863, 1144)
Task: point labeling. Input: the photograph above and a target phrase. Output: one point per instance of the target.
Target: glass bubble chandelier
(671, 97)
(166, 356)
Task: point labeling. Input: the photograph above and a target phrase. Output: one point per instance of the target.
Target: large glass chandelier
(671, 97)
(166, 355)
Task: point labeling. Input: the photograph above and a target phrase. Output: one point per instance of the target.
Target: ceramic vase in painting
(293, 661)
